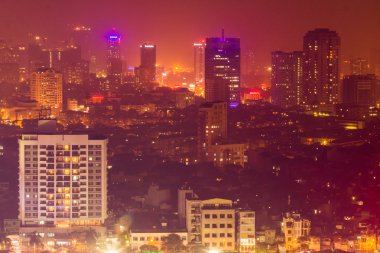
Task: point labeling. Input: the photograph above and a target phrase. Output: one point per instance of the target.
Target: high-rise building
(46, 89)
(199, 62)
(286, 78)
(362, 90)
(62, 178)
(212, 126)
(359, 66)
(114, 61)
(146, 72)
(321, 49)
(222, 70)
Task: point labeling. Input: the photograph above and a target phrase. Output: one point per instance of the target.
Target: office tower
(76, 73)
(286, 78)
(321, 49)
(222, 70)
(212, 126)
(80, 38)
(146, 72)
(246, 231)
(362, 90)
(62, 178)
(359, 66)
(46, 89)
(199, 62)
(211, 222)
(114, 62)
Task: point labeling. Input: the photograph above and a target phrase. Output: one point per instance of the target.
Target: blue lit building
(222, 70)
(114, 62)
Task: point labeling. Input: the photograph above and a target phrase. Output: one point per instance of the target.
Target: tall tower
(321, 68)
(222, 70)
(212, 126)
(46, 89)
(62, 178)
(114, 62)
(147, 67)
(286, 78)
(199, 62)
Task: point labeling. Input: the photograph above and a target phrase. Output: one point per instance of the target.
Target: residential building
(211, 223)
(246, 238)
(46, 89)
(321, 48)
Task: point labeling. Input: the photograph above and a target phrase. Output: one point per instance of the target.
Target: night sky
(263, 26)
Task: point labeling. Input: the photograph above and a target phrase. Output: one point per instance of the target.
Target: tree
(148, 248)
(173, 244)
(91, 237)
(35, 240)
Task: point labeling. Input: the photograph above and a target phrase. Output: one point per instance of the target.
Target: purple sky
(262, 25)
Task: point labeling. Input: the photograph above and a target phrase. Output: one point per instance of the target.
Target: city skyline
(174, 25)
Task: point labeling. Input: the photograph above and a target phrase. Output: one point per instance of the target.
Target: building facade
(46, 89)
(211, 223)
(199, 62)
(321, 49)
(63, 180)
(212, 127)
(286, 78)
(114, 61)
(222, 70)
(246, 232)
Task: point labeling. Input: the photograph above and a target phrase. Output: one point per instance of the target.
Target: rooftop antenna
(222, 33)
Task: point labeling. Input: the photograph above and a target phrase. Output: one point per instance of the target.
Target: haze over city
(173, 25)
(189, 126)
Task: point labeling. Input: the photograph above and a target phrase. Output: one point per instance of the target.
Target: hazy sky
(262, 25)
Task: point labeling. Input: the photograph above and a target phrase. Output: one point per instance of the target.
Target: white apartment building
(246, 238)
(211, 223)
(62, 180)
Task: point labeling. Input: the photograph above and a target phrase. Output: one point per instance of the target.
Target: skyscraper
(359, 66)
(361, 90)
(321, 68)
(286, 78)
(46, 89)
(222, 70)
(147, 70)
(114, 62)
(62, 178)
(212, 126)
(199, 62)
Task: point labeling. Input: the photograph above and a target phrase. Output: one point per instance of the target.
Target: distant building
(46, 89)
(321, 49)
(199, 62)
(154, 237)
(222, 70)
(185, 192)
(246, 237)
(359, 66)
(286, 78)
(223, 154)
(294, 227)
(212, 126)
(211, 223)
(362, 90)
(183, 98)
(114, 61)
(147, 70)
